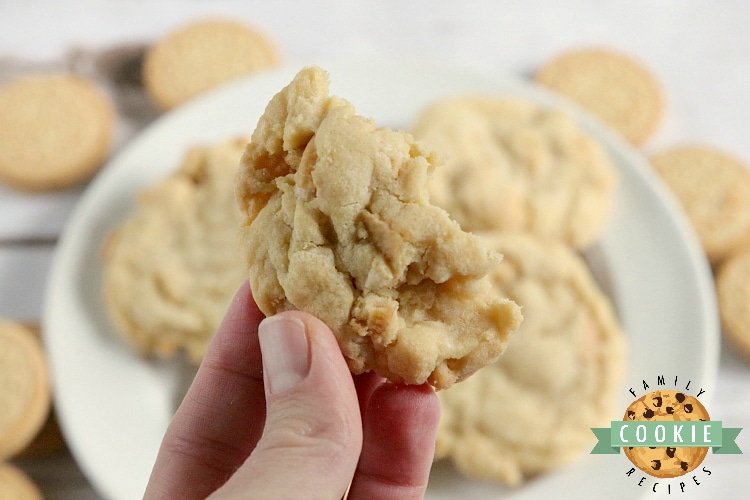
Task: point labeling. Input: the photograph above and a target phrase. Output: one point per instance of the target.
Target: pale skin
(309, 429)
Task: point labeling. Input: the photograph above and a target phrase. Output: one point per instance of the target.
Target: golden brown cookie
(714, 190)
(203, 55)
(337, 222)
(532, 410)
(24, 388)
(49, 439)
(55, 131)
(513, 165)
(172, 267)
(668, 405)
(618, 89)
(15, 484)
(733, 289)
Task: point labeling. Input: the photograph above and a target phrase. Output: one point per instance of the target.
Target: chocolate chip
(680, 397)
(657, 464)
(684, 466)
(670, 410)
(670, 452)
(631, 414)
(658, 401)
(648, 413)
(688, 408)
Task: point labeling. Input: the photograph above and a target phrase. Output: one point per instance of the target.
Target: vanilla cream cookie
(714, 190)
(337, 222)
(49, 438)
(533, 409)
(515, 166)
(172, 267)
(24, 388)
(201, 56)
(733, 289)
(15, 484)
(615, 87)
(55, 131)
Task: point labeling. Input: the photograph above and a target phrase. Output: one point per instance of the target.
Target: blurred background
(698, 51)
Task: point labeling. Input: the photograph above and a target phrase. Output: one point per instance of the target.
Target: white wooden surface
(700, 51)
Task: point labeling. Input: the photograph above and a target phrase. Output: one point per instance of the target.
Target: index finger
(222, 416)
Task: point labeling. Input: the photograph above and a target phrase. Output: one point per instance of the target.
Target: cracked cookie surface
(338, 224)
(172, 267)
(532, 410)
(513, 165)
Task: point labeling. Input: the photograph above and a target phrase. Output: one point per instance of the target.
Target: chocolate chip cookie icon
(666, 405)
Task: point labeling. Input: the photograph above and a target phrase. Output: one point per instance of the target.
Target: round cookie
(510, 421)
(172, 267)
(515, 166)
(202, 55)
(669, 405)
(614, 87)
(733, 290)
(714, 190)
(337, 223)
(55, 131)
(24, 388)
(49, 439)
(16, 485)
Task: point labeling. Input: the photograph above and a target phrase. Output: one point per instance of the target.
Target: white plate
(114, 406)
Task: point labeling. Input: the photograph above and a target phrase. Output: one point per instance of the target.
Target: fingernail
(285, 351)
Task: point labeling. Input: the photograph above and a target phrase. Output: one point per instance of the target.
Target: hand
(292, 423)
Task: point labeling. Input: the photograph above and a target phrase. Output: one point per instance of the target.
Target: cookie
(515, 166)
(201, 56)
(24, 388)
(55, 131)
(714, 190)
(532, 410)
(337, 222)
(16, 485)
(667, 405)
(172, 267)
(614, 87)
(49, 439)
(733, 290)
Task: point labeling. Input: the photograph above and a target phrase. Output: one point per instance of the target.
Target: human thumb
(313, 431)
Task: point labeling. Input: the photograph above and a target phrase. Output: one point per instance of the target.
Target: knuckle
(321, 437)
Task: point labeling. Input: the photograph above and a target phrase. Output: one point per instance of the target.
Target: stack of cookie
(538, 189)
(405, 290)
(25, 401)
(526, 180)
(712, 186)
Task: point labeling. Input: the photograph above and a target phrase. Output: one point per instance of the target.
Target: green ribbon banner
(641, 433)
